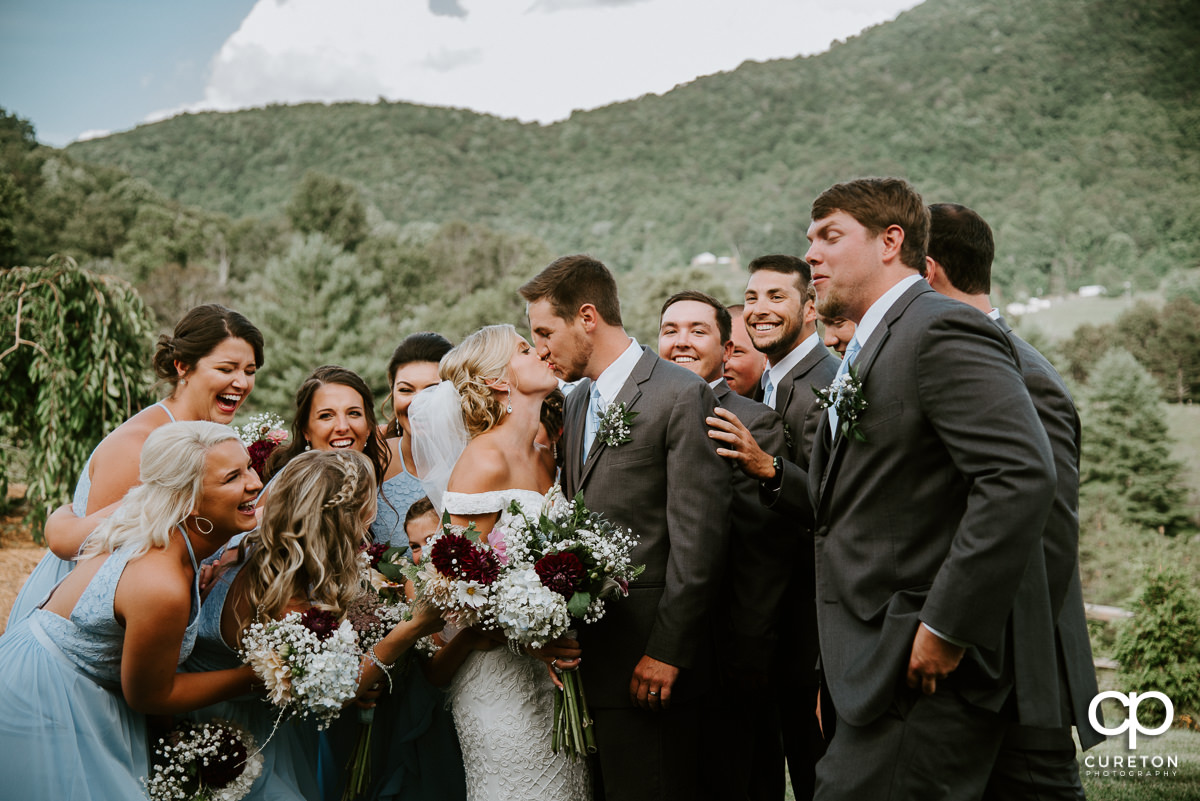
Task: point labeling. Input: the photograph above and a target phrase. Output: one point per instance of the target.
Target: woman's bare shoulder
(483, 467)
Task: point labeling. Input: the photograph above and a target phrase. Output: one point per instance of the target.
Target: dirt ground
(18, 556)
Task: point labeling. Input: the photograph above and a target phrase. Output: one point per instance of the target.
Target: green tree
(330, 206)
(1126, 461)
(74, 365)
(316, 305)
(1159, 647)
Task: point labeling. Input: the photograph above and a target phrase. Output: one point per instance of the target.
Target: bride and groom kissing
(636, 447)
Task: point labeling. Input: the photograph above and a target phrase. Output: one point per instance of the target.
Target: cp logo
(1131, 702)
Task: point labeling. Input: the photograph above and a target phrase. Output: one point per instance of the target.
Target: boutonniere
(845, 397)
(615, 422)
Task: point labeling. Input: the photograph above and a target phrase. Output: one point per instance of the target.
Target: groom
(649, 660)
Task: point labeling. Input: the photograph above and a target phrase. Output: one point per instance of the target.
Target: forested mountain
(1072, 125)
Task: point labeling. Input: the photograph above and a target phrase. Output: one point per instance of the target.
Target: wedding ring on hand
(652, 692)
(554, 665)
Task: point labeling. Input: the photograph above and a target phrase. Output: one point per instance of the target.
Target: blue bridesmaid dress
(65, 730)
(50, 570)
(290, 756)
(395, 496)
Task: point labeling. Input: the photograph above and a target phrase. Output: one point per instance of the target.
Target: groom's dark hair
(572, 281)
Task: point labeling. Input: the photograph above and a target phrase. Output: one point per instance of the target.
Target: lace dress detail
(503, 704)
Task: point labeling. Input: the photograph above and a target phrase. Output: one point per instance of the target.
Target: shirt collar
(777, 372)
(874, 316)
(609, 383)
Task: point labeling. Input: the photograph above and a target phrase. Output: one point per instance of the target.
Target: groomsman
(695, 332)
(1035, 762)
(634, 444)
(781, 320)
(837, 332)
(931, 485)
(744, 365)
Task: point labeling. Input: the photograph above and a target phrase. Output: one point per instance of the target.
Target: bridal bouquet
(457, 575)
(308, 661)
(213, 761)
(559, 567)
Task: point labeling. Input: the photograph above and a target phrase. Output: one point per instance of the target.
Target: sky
(83, 68)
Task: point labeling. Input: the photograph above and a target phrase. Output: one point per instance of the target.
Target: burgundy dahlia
(376, 551)
(449, 553)
(560, 572)
(259, 451)
(480, 565)
(217, 772)
(320, 622)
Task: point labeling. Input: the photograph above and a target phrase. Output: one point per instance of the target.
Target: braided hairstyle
(313, 527)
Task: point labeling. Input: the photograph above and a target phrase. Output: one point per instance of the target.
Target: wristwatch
(773, 483)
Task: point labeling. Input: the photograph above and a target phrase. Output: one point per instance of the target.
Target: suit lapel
(574, 425)
(862, 366)
(629, 394)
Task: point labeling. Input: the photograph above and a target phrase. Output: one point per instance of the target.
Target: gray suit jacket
(935, 516)
(759, 559)
(672, 489)
(797, 404)
(1052, 621)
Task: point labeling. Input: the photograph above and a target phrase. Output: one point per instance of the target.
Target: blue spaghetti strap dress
(290, 756)
(51, 570)
(65, 729)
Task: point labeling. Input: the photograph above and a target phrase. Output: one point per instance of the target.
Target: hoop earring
(206, 520)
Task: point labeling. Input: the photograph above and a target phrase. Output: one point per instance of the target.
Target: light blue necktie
(852, 350)
(593, 421)
(769, 392)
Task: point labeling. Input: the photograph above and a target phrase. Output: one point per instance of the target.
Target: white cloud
(95, 133)
(530, 59)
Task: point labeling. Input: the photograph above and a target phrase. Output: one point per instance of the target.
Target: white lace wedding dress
(503, 704)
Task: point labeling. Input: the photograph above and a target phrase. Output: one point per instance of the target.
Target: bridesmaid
(209, 362)
(335, 410)
(304, 554)
(120, 624)
(413, 367)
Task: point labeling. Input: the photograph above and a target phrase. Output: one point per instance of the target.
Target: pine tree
(1126, 459)
(316, 305)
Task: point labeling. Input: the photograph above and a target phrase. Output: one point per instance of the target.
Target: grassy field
(1182, 785)
(1061, 319)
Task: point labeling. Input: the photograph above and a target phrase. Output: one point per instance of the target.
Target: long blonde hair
(314, 523)
(172, 474)
(481, 358)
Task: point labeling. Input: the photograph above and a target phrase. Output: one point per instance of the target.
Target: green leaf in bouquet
(578, 604)
(390, 570)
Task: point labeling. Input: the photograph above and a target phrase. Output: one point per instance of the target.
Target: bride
(473, 442)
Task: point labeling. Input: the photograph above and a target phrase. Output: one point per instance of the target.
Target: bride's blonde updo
(482, 358)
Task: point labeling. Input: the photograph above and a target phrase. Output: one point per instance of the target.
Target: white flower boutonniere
(615, 422)
(844, 396)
